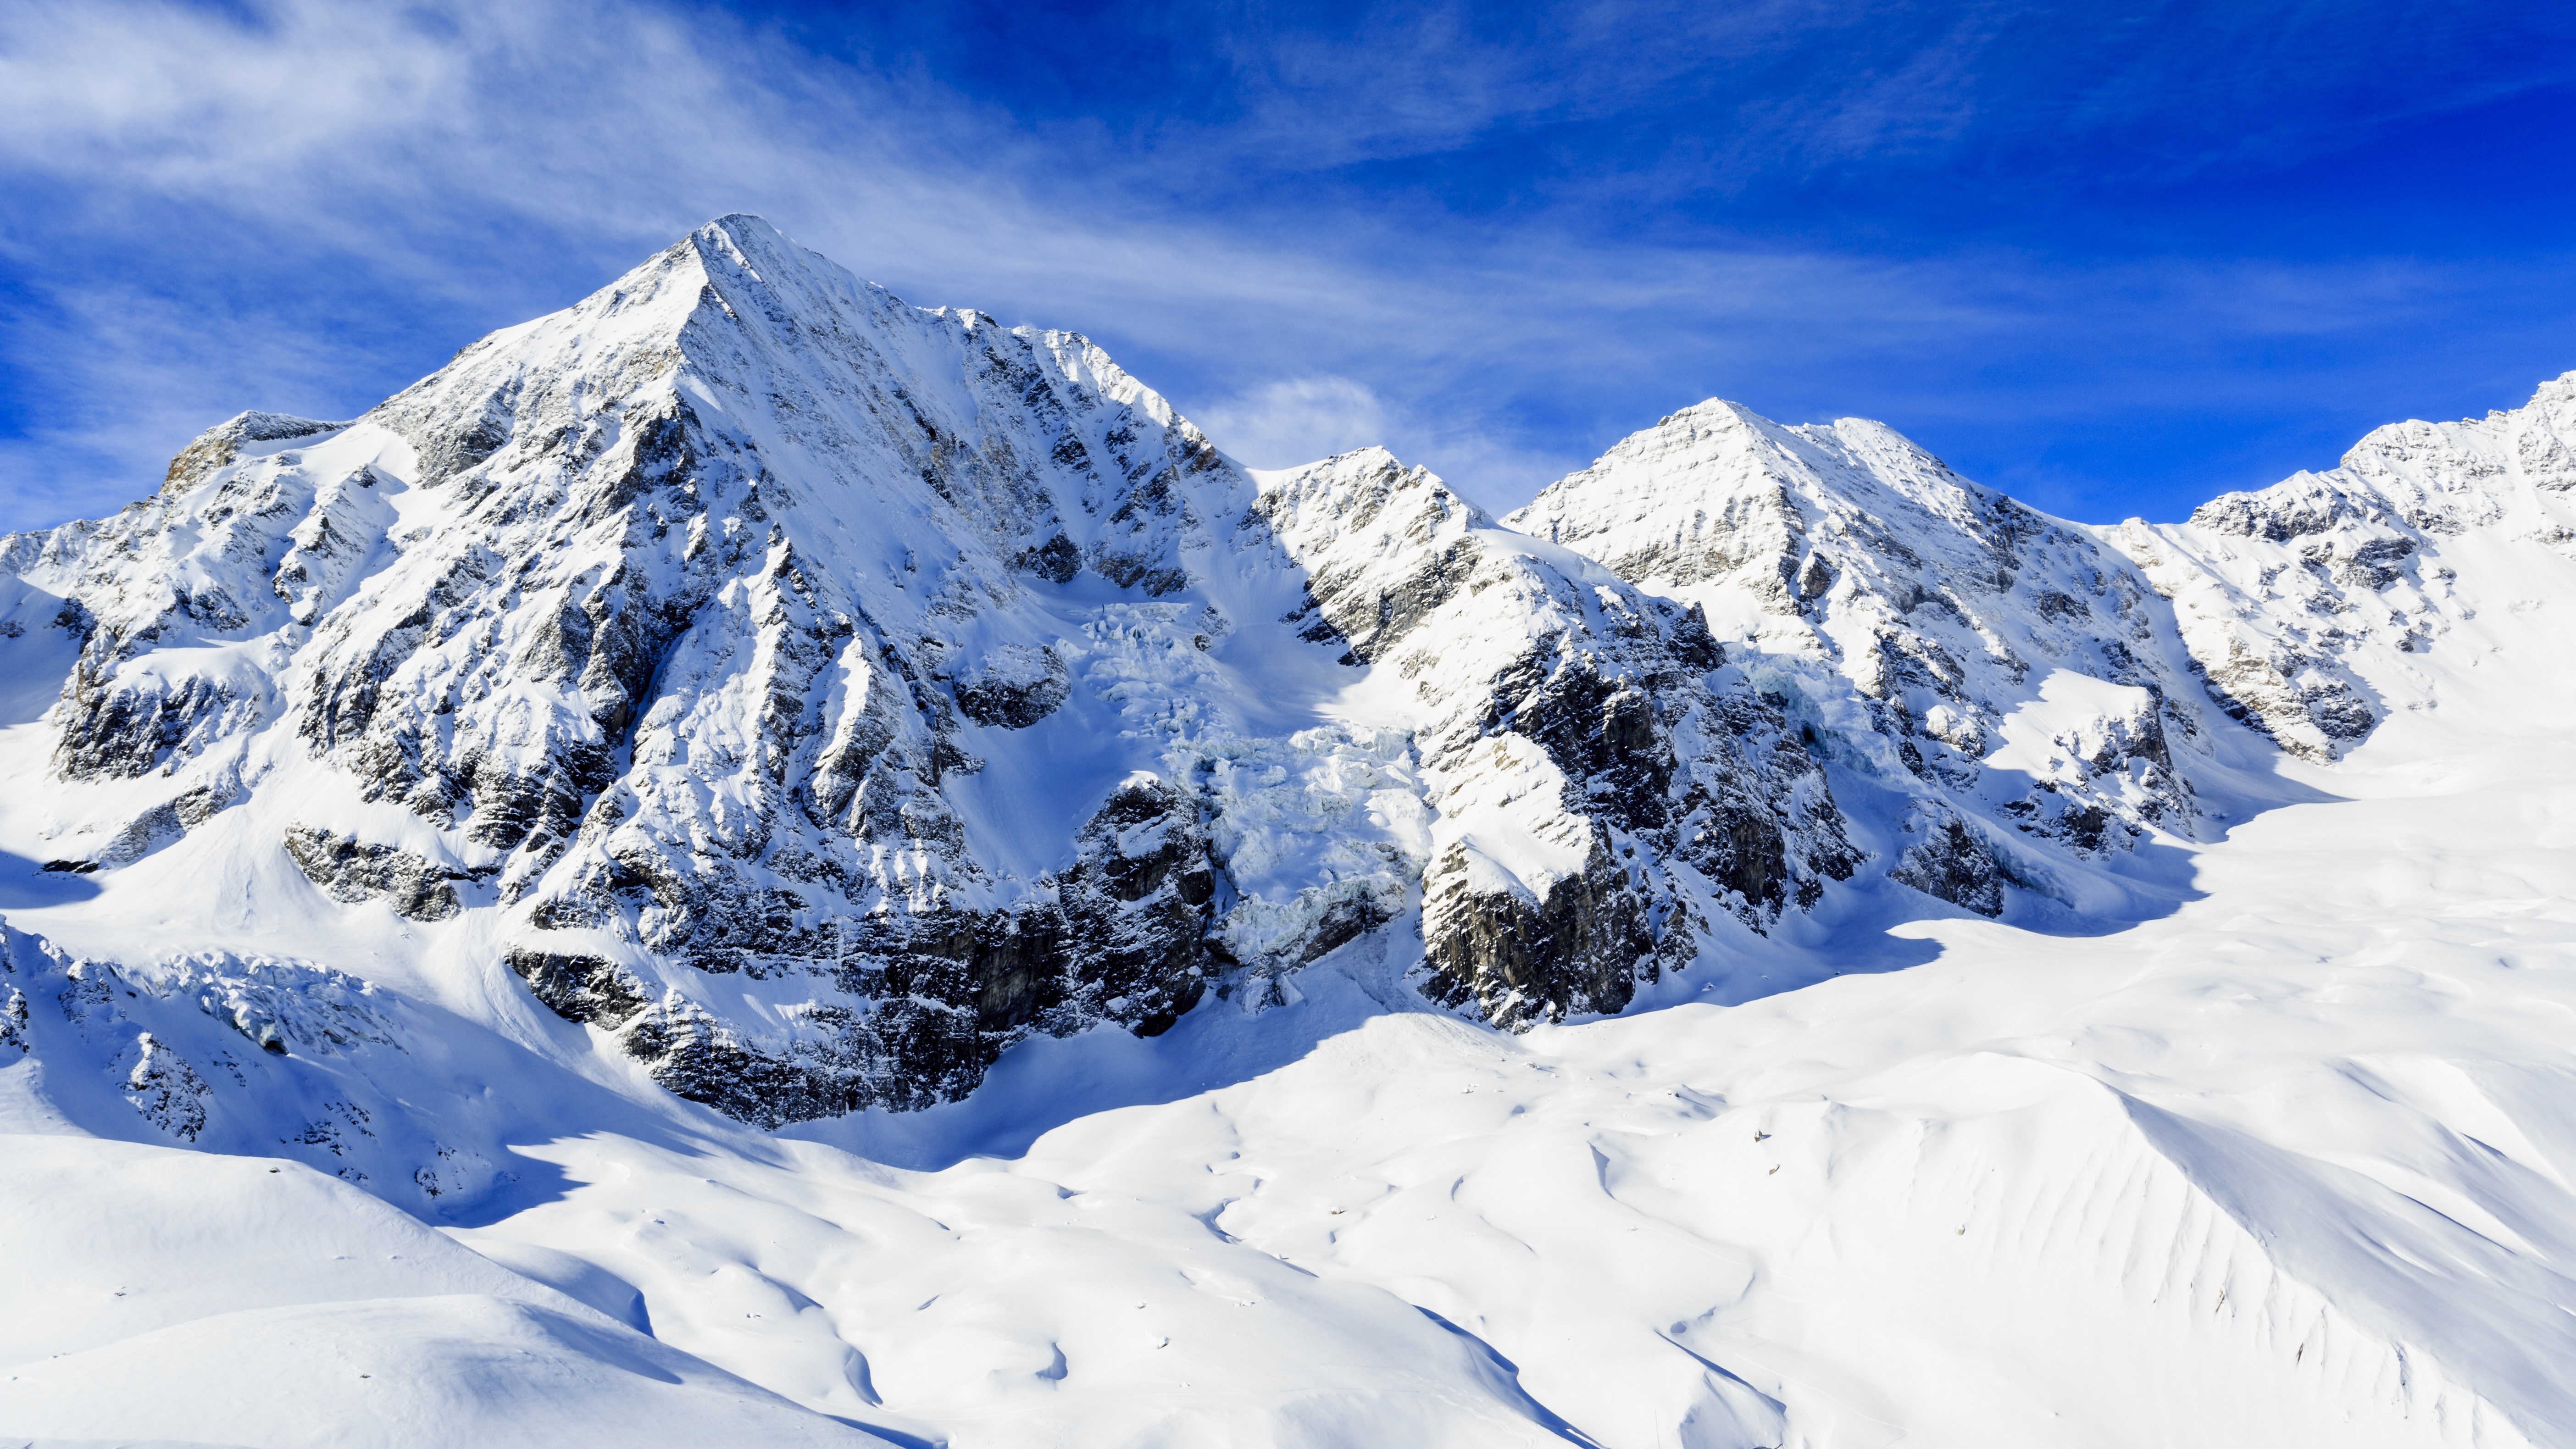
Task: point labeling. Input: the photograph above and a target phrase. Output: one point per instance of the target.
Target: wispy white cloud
(1288, 421)
(1296, 420)
(440, 150)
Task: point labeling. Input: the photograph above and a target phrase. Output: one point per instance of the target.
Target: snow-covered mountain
(818, 694)
(2011, 676)
(2295, 601)
(743, 689)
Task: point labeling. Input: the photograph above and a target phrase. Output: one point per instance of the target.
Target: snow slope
(752, 862)
(192, 1297)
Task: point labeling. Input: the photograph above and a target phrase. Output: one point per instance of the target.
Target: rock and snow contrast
(750, 861)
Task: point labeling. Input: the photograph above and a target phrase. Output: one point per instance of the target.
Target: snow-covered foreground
(2289, 1165)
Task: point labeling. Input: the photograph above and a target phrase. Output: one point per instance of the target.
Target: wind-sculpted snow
(878, 881)
(183, 1290)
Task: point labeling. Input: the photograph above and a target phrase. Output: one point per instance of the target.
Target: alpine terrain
(759, 864)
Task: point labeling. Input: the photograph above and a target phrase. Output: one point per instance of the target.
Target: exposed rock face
(1015, 687)
(1118, 938)
(165, 1090)
(13, 1022)
(111, 732)
(1950, 862)
(1583, 945)
(1598, 800)
(824, 693)
(114, 843)
(578, 988)
(350, 872)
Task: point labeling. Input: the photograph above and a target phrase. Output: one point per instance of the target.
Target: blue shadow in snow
(1545, 1417)
(26, 884)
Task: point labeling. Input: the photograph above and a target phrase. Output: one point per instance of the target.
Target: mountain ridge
(818, 694)
(675, 631)
(748, 848)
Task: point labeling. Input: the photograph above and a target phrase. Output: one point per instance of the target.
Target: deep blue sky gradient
(2114, 265)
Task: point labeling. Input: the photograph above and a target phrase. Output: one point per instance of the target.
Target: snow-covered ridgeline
(2280, 594)
(2039, 690)
(816, 694)
(744, 684)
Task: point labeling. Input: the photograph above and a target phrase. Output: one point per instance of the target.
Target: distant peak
(1351, 463)
(221, 444)
(259, 427)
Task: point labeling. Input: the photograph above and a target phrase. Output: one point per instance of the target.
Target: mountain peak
(743, 695)
(743, 243)
(744, 224)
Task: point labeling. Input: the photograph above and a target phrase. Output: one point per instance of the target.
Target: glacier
(751, 859)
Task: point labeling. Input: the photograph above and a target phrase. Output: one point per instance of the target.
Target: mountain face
(2015, 679)
(2279, 594)
(1400, 976)
(2043, 694)
(815, 694)
(807, 696)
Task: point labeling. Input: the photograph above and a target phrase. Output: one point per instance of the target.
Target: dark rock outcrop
(1119, 937)
(350, 871)
(1950, 863)
(1582, 947)
(576, 987)
(223, 443)
(1014, 687)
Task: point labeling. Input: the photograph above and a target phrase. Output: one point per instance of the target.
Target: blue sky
(2112, 265)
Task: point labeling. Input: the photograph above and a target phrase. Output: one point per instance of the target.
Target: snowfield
(1962, 978)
